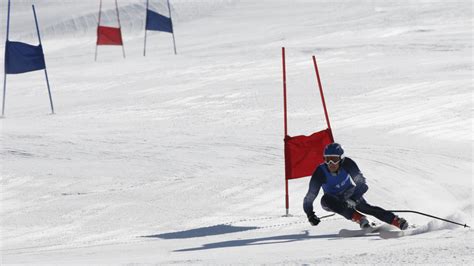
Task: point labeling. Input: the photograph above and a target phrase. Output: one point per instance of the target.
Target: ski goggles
(332, 159)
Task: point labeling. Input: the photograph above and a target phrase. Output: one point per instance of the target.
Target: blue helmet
(334, 149)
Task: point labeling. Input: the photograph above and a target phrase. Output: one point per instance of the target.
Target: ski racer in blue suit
(344, 186)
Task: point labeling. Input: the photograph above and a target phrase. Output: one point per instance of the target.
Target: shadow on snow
(219, 229)
(260, 241)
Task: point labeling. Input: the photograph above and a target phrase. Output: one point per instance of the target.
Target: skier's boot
(400, 223)
(364, 223)
(361, 220)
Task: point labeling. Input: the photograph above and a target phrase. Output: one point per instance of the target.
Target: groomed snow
(178, 159)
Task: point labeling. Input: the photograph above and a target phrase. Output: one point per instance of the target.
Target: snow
(178, 159)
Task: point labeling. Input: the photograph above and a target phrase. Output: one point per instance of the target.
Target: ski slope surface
(178, 159)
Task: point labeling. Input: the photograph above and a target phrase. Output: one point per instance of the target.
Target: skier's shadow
(260, 241)
(219, 229)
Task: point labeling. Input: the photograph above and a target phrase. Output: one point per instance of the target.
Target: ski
(399, 233)
(365, 231)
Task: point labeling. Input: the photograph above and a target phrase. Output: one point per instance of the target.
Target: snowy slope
(176, 159)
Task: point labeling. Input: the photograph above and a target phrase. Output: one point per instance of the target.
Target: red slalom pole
(322, 96)
(287, 200)
(284, 89)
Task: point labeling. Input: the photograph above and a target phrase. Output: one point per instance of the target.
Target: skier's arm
(313, 191)
(361, 187)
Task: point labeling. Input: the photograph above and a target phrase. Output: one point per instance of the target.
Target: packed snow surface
(176, 159)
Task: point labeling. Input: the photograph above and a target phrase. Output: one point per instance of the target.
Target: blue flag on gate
(22, 57)
(158, 22)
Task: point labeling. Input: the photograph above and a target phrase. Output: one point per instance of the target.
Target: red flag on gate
(109, 36)
(304, 153)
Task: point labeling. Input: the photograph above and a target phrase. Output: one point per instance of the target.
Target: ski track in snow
(179, 159)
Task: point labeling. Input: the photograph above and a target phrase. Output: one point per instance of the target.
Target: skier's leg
(375, 211)
(331, 203)
(383, 215)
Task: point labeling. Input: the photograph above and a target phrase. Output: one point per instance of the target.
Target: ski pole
(326, 216)
(464, 225)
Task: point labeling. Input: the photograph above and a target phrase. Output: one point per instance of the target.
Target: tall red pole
(284, 88)
(322, 97)
(287, 201)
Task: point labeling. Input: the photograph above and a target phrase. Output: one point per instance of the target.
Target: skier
(344, 186)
